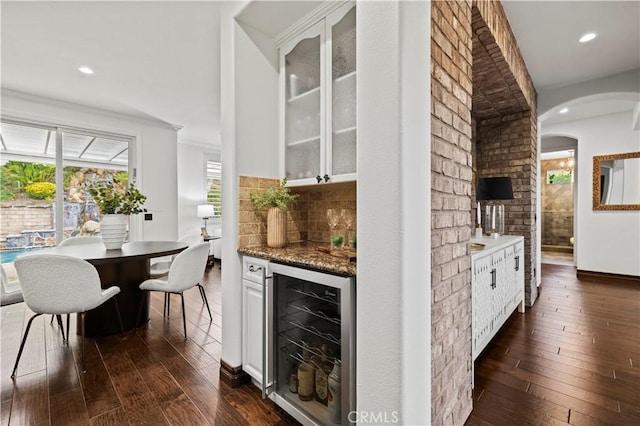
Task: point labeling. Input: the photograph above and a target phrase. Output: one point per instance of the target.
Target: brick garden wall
(16, 219)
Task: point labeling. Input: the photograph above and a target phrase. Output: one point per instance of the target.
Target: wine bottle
(333, 394)
(322, 376)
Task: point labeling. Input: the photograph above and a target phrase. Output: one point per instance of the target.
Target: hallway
(573, 358)
(557, 258)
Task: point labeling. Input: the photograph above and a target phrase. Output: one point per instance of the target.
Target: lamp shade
(495, 188)
(205, 210)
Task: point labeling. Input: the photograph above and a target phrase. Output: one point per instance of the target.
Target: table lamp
(489, 189)
(205, 211)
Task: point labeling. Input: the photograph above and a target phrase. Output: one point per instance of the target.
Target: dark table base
(128, 275)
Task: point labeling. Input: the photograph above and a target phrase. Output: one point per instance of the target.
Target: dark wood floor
(154, 377)
(572, 358)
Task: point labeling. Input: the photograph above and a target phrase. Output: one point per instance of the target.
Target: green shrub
(6, 195)
(41, 190)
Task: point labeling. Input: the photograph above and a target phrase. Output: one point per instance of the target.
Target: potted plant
(116, 201)
(277, 199)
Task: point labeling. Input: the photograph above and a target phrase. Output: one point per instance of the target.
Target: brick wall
(483, 124)
(306, 218)
(507, 146)
(496, 23)
(451, 173)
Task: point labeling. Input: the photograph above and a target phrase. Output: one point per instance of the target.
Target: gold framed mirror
(616, 181)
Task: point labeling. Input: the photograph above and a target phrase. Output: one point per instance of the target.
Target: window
(214, 187)
(46, 172)
(559, 176)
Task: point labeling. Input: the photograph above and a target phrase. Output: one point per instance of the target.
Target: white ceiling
(155, 59)
(548, 31)
(160, 59)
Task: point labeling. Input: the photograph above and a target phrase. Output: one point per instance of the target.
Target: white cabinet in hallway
(497, 284)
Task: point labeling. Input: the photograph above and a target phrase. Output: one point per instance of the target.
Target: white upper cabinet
(318, 119)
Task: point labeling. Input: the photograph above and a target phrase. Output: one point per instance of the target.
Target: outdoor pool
(9, 256)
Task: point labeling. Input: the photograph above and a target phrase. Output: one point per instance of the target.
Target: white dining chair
(76, 241)
(11, 291)
(58, 284)
(186, 271)
(160, 268)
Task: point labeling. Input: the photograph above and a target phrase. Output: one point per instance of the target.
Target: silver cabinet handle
(253, 268)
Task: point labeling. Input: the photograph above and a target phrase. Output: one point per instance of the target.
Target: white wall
(154, 157)
(249, 88)
(192, 185)
(606, 241)
(394, 253)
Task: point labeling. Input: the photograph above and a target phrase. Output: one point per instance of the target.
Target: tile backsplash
(306, 218)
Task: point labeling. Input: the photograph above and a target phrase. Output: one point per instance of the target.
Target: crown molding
(309, 19)
(209, 146)
(72, 105)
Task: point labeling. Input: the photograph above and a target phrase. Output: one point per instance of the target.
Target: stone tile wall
(306, 218)
(314, 202)
(557, 207)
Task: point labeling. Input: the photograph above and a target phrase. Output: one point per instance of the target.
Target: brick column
(451, 174)
(474, 60)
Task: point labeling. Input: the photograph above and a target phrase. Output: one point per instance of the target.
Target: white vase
(113, 229)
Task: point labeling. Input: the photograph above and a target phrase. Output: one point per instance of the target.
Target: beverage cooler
(310, 350)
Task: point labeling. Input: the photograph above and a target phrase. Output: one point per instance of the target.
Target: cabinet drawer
(254, 269)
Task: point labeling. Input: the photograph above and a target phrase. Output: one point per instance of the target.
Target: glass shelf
(351, 75)
(303, 96)
(345, 130)
(303, 141)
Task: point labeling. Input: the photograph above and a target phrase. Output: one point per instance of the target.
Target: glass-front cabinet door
(303, 84)
(341, 31)
(318, 102)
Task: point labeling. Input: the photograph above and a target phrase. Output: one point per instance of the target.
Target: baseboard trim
(610, 278)
(233, 376)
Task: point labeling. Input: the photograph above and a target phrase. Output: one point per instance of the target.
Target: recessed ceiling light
(85, 70)
(587, 37)
(564, 110)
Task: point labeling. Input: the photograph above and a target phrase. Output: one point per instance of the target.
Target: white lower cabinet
(497, 286)
(254, 272)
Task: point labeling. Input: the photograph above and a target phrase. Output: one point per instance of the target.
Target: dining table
(126, 268)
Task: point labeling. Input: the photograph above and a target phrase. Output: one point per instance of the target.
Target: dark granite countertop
(305, 255)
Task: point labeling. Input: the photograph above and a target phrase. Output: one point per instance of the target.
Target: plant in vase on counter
(277, 199)
(116, 201)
